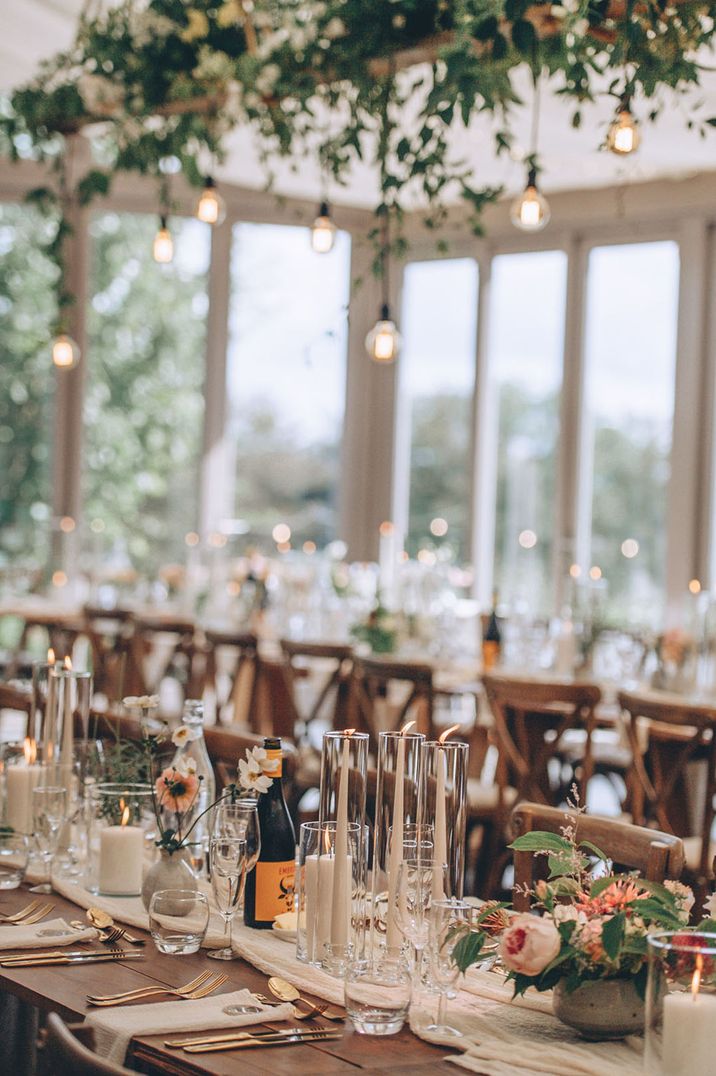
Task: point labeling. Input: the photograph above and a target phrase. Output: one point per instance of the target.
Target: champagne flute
(416, 881)
(450, 923)
(227, 864)
(240, 819)
(49, 813)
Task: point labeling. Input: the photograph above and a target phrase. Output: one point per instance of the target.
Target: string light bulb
(65, 352)
(163, 246)
(623, 135)
(383, 342)
(530, 211)
(211, 207)
(323, 230)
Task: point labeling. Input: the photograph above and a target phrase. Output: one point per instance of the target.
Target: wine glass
(227, 864)
(240, 819)
(450, 923)
(418, 879)
(49, 813)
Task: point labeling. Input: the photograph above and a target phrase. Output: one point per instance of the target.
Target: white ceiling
(33, 29)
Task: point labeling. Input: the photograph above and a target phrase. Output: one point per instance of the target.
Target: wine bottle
(269, 886)
(492, 639)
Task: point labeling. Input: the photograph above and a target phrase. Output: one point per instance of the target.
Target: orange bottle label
(490, 654)
(272, 756)
(274, 889)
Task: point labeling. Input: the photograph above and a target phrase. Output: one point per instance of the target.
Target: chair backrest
(678, 733)
(232, 674)
(531, 720)
(372, 679)
(654, 854)
(330, 665)
(67, 1056)
(110, 632)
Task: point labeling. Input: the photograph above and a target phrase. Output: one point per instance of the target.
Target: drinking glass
(50, 805)
(377, 995)
(227, 864)
(13, 859)
(178, 919)
(450, 922)
(417, 880)
(240, 819)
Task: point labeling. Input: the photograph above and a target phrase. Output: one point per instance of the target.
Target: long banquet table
(62, 989)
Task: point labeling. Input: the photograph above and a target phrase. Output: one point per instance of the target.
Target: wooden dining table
(63, 989)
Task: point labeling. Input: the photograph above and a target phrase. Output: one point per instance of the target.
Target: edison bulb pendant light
(323, 230)
(623, 135)
(530, 212)
(65, 352)
(163, 246)
(383, 341)
(211, 207)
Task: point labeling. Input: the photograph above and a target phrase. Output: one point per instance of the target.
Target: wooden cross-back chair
(66, 1055)
(333, 663)
(173, 640)
(239, 651)
(110, 632)
(678, 734)
(60, 633)
(372, 678)
(532, 718)
(654, 854)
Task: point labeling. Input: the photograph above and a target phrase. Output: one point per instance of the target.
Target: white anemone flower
(252, 777)
(710, 906)
(260, 756)
(184, 735)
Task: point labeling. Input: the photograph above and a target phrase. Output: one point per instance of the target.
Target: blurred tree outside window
(286, 381)
(27, 387)
(144, 397)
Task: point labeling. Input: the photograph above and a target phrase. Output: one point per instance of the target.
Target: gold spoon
(286, 992)
(103, 921)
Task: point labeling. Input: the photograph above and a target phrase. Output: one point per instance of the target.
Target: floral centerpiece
(589, 941)
(379, 630)
(675, 655)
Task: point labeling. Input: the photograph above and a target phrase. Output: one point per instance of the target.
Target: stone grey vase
(602, 1009)
(169, 872)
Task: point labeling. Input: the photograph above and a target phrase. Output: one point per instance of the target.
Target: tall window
(437, 377)
(144, 400)
(525, 362)
(27, 311)
(286, 380)
(630, 352)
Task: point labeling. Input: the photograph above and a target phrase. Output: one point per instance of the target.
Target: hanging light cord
(534, 132)
(385, 263)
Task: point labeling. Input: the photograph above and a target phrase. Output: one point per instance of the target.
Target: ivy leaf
(594, 850)
(613, 935)
(524, 37)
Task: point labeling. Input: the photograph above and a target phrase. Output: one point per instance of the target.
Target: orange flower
(613, 899)
(176, 791)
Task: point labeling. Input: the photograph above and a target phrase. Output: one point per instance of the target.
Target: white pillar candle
(689, 1034)
(440, 836)
(121, 852)
(341, 871)
(395, 855)
(22, 777)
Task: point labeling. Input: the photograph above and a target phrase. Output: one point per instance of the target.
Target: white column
(216, 484)
(484, 460)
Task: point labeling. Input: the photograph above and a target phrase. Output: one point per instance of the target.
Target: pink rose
(529, 944)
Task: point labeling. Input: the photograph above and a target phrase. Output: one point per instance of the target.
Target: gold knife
(275, 1040)
(233, 1036)
(89, 958)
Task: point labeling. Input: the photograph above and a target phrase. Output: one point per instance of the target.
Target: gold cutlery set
(200, 987)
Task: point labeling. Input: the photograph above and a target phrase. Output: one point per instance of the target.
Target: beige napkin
(114, 1028)
(47, 934)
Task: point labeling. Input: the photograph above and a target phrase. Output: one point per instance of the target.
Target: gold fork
(208, 987)
(204, 982)
(299, 1014)
(21, 915)
(33, 917)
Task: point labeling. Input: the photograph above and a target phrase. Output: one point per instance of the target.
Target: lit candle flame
(406, 728)
(696, 978)
(125, 813)
(348, 732)
(50, 656)
(448, 732)
(29, 749)
(68, 664)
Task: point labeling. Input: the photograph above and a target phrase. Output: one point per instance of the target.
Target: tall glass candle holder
(120, 826)
(396, 810)
(349, 750)
(680, 1020)
(330, 894)
(66, 718)
(443, 805)
(40, 694)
